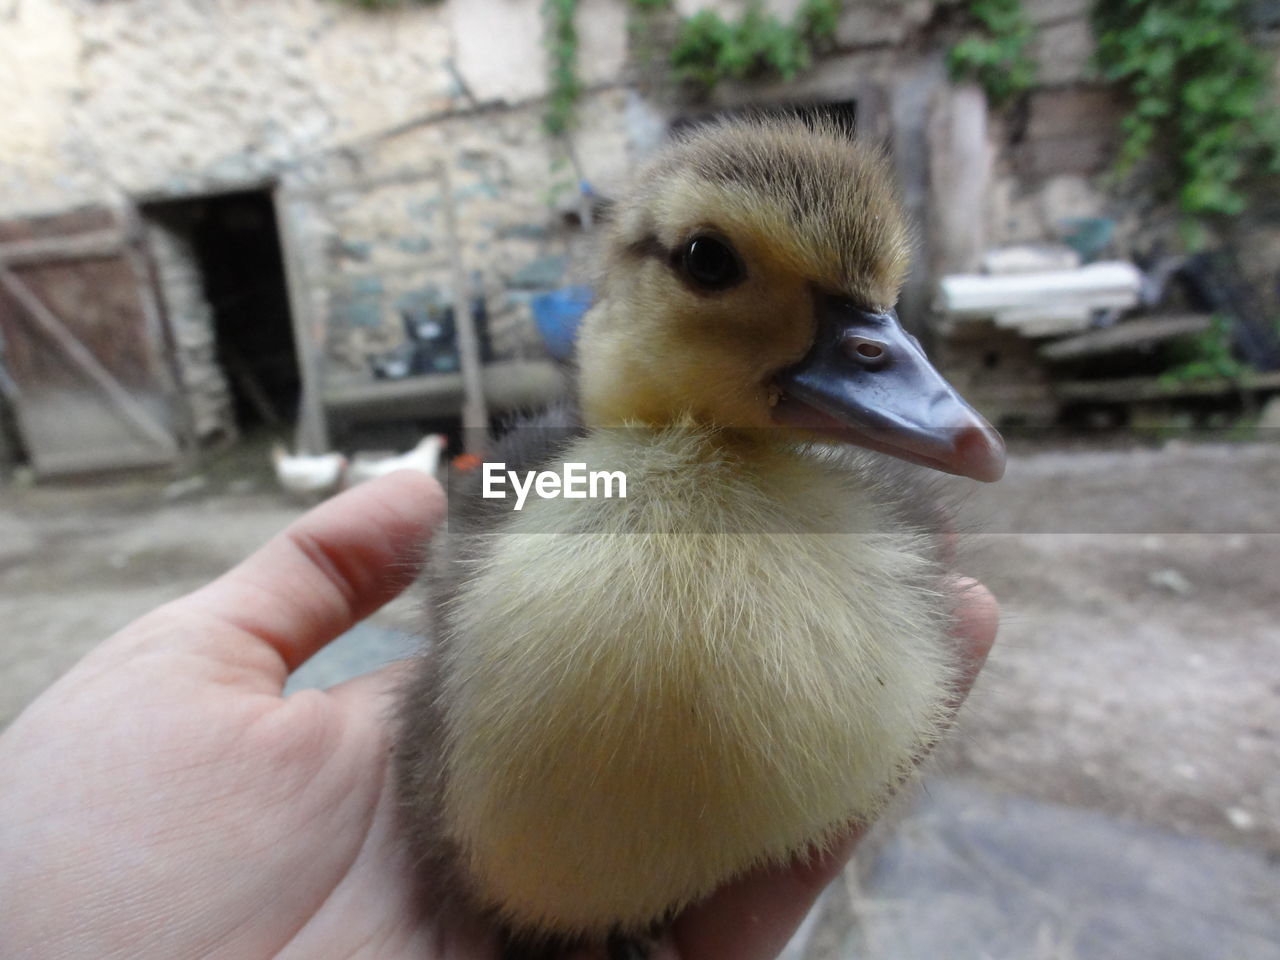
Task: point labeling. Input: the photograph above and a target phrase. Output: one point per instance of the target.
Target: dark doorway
(235, 242)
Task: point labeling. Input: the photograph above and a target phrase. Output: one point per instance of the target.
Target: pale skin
(163, 800)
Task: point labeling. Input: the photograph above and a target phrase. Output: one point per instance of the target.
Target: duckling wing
(530, 443)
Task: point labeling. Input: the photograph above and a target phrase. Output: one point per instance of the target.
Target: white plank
(1098, 286)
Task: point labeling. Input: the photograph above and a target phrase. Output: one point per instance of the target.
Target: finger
(329, 569)
(379, 684)
(753, 918)
(976, 616)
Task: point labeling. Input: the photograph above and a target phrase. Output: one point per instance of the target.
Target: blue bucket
(558, 315)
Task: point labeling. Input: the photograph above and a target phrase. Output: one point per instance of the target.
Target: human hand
(163, 800)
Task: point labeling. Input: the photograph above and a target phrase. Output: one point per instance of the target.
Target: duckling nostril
(865, 351)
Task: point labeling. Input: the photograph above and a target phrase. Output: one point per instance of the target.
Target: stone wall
(172, 96)
(354, 117)
(387, 246)
(350, 116)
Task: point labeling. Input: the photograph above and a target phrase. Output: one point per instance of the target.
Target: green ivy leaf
(995, 51)
(1197, 85)
(709, 49)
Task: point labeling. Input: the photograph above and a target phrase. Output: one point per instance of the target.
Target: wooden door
(83, 344)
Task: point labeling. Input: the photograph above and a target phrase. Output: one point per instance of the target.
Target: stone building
(367, 163)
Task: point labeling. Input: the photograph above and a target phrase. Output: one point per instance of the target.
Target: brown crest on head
(824, 204)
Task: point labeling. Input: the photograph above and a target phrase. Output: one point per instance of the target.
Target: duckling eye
(711, 263)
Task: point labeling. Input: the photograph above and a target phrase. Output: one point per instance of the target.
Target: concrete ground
(1112, 787)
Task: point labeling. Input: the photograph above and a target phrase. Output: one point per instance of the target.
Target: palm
(228, 821)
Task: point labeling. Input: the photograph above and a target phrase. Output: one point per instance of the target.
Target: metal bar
(507, 384)
(1156, 388)
(84, 360)
(475, 413)
(84, 246)
(63, 464)
(312, 433)
(1126, 335)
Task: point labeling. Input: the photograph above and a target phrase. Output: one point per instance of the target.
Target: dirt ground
(1138, 666)
(1137, 672)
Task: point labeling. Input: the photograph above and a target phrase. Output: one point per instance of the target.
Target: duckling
(631, 701)
(308, 476)
(424, 457)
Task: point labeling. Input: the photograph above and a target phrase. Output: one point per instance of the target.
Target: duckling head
(749, 280)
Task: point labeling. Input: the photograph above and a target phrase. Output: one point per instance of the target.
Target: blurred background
(252, 252)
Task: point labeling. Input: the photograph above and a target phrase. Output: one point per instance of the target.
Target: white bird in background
(425, 458)
(308, 475)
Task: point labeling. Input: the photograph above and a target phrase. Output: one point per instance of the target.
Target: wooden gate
(84, 345)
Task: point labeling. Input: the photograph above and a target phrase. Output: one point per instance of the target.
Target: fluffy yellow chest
(634, 716)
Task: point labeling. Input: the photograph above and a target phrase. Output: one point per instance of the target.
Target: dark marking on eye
(646, 247)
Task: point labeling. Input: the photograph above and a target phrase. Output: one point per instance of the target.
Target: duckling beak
(867, 381)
